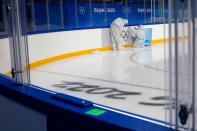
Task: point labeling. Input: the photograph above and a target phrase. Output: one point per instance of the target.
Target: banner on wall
(104, 15)
(84, 15)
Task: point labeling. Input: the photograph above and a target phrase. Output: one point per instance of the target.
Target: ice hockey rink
(98, 65)
(131, 80)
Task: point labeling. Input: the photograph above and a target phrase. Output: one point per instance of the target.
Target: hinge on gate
(184, 114)
(13, 73)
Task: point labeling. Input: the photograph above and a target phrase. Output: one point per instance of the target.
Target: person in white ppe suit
(137, 36)
(119, 34)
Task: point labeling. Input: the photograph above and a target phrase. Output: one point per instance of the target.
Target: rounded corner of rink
(81, 63)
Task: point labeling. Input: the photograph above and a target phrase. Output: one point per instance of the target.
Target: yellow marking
(68, 55)
(9, 74)
(64, 56)
(128, 46)
(84, 52)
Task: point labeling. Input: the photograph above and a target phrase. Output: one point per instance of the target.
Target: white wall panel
(46, 45)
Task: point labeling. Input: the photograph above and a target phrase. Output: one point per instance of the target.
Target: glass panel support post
(17, 30)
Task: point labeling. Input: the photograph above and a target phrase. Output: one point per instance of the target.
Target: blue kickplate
(148, 36)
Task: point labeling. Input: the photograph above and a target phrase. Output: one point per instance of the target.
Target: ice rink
(131, 80)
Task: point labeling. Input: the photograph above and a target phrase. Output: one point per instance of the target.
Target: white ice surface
(133, 70)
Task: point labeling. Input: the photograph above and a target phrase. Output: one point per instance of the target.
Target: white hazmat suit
(119, 34)
(137, 36)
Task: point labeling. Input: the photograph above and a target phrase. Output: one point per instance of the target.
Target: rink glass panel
(5, 63)
(70, 52)
(182, 75)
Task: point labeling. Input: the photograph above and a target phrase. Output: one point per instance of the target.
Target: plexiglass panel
(5, 60)
(112, 52)
(137, 56)
(183, 64)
